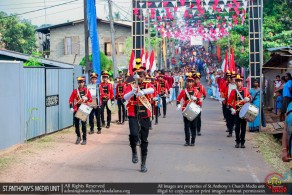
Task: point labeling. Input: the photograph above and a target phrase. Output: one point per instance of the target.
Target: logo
(275, 182)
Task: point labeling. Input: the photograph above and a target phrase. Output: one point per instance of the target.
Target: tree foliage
(34, 60)
(16, 34)
(277, 25)
(106, 64)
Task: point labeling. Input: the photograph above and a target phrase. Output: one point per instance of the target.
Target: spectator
(277, 82)
(287, 89)
(279, 100)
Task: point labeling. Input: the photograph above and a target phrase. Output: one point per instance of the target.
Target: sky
(71, 11)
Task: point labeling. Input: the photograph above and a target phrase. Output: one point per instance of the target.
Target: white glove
(84, 98)
(140, 93)
(201, 99)
(246, 99)
(113, 102)
(194, 98)
(233, 111)
(72, 110)
(178, 107)
(134, 90)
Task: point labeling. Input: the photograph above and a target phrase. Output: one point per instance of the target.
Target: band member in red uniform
(224, 96)
(230, 117)
(238, 97)
(156, 98)
(164, 92)
(139, 113)
(96, 110)
(203, 94)
(120, 90)
(194, 96)
(79, 96)
(106, 93)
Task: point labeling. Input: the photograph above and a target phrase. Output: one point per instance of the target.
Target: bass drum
(249, 112)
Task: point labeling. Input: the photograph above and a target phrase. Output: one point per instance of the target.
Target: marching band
(139, 98)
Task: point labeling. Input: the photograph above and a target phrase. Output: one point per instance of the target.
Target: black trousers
(229, 120)
(77, 127)
(95, 112)
(190, 129)
(199, 123)
(224, 110)
(164, 105)
(121, 110)
(108, 111)
(139, 130)
(240, 129)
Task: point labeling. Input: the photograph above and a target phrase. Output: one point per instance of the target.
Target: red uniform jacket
(193, 92)
(134, 101)
(78, 98)
(224, 91)
(234, 99)
(120, 91)
(106, 92)
(164, 87)
(220, 80)
(169, 80)
(201, 89)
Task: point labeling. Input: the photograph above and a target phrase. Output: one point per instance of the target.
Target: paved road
(107, 157)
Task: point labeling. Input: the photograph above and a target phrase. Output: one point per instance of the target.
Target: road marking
(253, 175)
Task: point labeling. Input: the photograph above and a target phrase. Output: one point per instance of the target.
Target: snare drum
(249, 112)
(191, 111)
(83, 112)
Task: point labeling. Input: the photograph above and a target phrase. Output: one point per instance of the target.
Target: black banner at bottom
(144, 188)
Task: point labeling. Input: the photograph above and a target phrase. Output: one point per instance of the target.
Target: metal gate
(52, 100)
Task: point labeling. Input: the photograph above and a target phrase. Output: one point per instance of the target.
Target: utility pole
(86, 35)
(113, 38)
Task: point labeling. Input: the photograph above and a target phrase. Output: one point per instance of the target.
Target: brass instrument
(144, 100)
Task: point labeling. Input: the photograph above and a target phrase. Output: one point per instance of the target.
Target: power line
(38, 9)
(39, 2)
(127, 13)
(55, 13)
(10, 8)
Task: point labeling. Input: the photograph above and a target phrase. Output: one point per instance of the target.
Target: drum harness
(240, 98)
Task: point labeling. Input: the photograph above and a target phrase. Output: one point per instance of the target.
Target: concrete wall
(57, 36)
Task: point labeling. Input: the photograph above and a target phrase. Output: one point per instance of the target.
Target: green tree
(106, 64)
(34, 60)
(17, 35)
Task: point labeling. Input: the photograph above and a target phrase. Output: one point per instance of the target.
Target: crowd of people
(144, 96)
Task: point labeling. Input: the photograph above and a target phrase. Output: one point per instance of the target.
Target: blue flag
(93, 33)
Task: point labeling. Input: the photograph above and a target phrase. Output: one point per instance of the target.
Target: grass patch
(5, 162)
(271, 150)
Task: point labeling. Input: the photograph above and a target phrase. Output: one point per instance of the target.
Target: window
(121, 48)
(108, 48)
(72, 45)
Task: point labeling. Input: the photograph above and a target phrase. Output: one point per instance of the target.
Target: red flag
(151, 59)
(131, 63)
(232, 62)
